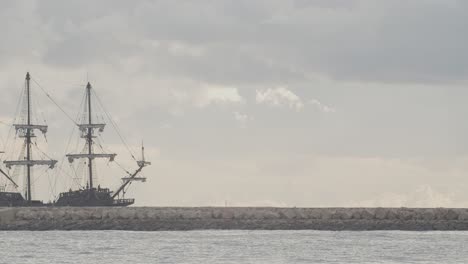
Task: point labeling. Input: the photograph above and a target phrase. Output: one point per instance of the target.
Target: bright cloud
(279, 96)
(212, 94)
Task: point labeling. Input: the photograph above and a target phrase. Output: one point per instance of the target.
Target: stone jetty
(240, 218)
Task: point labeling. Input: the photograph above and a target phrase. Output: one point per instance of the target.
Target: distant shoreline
(227, 218)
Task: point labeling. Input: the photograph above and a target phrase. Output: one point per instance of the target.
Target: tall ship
(28, 131)
(92, 195)
(87, 192)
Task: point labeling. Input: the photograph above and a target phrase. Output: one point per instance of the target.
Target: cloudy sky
(265, 103)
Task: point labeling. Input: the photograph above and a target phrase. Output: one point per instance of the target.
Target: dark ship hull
(14, 199)
(80, 198)
(91, 197)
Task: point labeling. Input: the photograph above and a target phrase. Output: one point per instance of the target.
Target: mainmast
(28, 138)
(89, 137)
(27, 132)
(87, 131)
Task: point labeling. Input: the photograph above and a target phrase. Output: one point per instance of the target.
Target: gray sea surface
(233, 247)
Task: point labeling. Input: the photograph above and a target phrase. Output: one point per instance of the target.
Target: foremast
(133, 177)
(88, 131)
(26, 131)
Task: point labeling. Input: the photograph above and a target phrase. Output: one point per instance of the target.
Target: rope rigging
(115, 161)
(74, 178)
(17, 109)
(27, 130)
(53, 101)
(114, 125)
(2, 138)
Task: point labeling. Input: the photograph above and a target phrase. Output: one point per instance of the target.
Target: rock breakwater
(247, 218)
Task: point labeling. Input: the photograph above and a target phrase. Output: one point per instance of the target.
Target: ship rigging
(89, 128)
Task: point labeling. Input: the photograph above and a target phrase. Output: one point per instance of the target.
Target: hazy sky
(275, 102)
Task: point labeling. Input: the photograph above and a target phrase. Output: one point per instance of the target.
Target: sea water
(233, 247)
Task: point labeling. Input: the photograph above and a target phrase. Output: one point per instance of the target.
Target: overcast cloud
(274, 102)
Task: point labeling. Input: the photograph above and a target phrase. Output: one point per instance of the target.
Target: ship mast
(133, 177)
(87, 131)
(89, 137)
(27, 132)
(28, 138)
